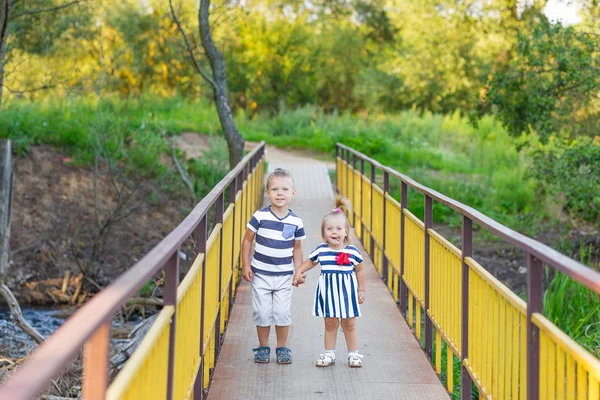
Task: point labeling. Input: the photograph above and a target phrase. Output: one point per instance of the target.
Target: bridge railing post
(384, 260)
(201, 235)
(232, 193)
(170, 299)
(428, 324)
(338, 154)
(219, 220)
(356, 198)
(347, 158)
(371, 238)
(362, 202)
(467, 251)
(95, 364)
(535, 293)
(403, 288)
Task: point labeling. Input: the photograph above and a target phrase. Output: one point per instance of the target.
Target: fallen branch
(77, 288)
(65, 281)
(17, 315)
(126, 350)
(146, 301)
(31, 246)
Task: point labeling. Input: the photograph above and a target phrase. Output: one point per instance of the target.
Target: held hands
(298, 279)
(247, 273)
(361, 296)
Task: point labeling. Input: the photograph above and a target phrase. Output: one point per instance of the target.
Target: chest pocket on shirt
(288, 231)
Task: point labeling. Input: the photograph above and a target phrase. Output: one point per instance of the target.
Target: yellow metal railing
(358, 201)
(145, 374)
(477, 322)
(393, 251)
(176, 356)
(567, 371)
(187, 351)
(497, 336)
(218, 271)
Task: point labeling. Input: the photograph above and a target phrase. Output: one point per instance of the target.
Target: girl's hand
(361, 296)
(298, 279)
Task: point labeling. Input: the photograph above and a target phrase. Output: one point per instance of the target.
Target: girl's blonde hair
(342, 206)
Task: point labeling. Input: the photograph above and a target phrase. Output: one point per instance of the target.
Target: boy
(278, 249)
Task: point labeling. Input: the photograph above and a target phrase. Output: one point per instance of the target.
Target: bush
(569, 171)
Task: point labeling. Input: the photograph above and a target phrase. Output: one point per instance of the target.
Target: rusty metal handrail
(85, 325)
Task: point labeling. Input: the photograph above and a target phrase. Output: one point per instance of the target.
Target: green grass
(476, 166)
(130, 133)
(574, 308)
(479, 167)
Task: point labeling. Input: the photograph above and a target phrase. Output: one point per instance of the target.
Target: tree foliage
(500, 56)
(551, 83)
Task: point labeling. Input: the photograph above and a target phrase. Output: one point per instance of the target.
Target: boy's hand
(361, 296)
(247, 274)
(298, 279)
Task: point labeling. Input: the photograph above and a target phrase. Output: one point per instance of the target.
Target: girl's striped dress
(337, 290)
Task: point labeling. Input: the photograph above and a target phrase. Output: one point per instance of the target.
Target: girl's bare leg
(349, 327)
(331, 328)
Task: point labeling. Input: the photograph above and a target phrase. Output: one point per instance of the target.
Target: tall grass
(574, 308)
(477, 166)
(132, 132)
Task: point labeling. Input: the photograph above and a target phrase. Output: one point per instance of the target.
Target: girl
(341, 286)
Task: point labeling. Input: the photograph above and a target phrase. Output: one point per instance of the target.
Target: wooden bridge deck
(394, 366)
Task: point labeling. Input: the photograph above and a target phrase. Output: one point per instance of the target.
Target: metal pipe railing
(89, 327)
(538, 254)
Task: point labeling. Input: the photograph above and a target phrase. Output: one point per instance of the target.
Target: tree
(5, 11)
(11, 10)
(218, 81)
(551, 83)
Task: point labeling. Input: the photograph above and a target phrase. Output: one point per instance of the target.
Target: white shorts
(271, 299)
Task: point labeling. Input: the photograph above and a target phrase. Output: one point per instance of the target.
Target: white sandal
(354, 360)
(326, 360)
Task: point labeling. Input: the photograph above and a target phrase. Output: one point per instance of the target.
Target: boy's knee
(332, 323)
(282, 315)
(262, 318)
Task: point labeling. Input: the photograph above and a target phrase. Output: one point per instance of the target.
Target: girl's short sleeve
(314, 255)
(355, 256)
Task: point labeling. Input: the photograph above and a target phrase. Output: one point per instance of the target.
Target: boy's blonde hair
(280, 173)
(342, 206)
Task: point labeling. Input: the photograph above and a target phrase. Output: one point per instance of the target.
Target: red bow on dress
(342, 259)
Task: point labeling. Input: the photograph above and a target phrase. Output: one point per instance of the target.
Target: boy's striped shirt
(275, 238)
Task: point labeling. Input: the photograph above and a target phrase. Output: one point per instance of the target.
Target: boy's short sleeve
(300, 234)
(314, 255)
(254, 223)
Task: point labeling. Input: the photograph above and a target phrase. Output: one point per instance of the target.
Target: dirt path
(276, 155)
(194, 144)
